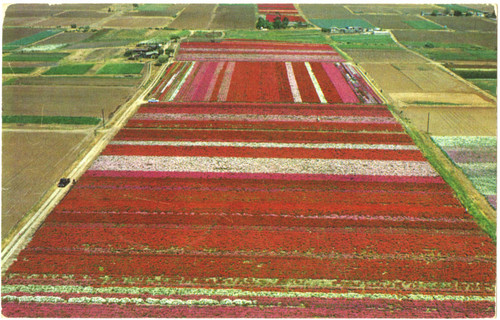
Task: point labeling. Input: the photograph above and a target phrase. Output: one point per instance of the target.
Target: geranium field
(219, 207)
(250, 71)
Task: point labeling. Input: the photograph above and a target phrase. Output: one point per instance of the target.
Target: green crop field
(489, 85)
(341, 23)
(121, 68)
(476, 73)
(9, 82)
(55, 56)
(423, 25)
(153, 7)
(451, 51)
(31, 39)
(16, 70)
(69, 69)
(363, 41)
(311, 36)
(120, 34)
(51, 120)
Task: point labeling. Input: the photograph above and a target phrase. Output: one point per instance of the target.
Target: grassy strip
(423, 25)
(16, 70)
(51, 120)
(432, 103)
(35, 56)
(289, 35)
(69, 69)
(475, 74)
(121, 68)
(428, 148)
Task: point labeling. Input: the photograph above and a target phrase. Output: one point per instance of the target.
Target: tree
(434, 13)
(277, 23)
(457, 13)
(446, 11)
(284, 23)
(73, 25)
(135, 5)
(128, 53)
(174, 38)
(163, 58)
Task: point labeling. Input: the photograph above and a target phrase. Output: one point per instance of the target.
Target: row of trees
(277, 24)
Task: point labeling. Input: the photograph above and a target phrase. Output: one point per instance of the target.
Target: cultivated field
(485, 39)
(79, 81)
(20, 22)
(33, 162)
(453, 120)
(67, 37)
(169, 10)
(389, 21)
(12, 34)
(377, 56)
(391, 8)
(422, 83)
(83, 14)
(103, 54)
(137, 22)
(66, 22)
(234, 17)
(63, 100)
(466, 23)
(325, 11)
(194, 16)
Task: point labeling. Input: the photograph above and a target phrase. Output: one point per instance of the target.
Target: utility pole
(103, 121)
(428, 120)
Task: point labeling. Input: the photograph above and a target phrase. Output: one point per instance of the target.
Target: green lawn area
(291, 35)
(423, 24)
(489, 85)
(451, 51)
(50, 120)
(121, 68)
(153, 7)
(341, 23)
(69, 69)
(41, 56)
(16, 70)
(30, 39)
(365, 41)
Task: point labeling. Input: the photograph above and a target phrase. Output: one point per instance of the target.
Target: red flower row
(262, 136)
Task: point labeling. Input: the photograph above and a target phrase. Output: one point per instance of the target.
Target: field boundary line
(18, 241)
(364, 74)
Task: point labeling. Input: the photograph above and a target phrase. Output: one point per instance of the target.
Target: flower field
(227, 208)
(241, 71)
(282, 8)
(477, 157)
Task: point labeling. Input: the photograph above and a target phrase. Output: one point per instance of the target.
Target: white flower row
(179, 86)
(268, 145)
(315, 82)
(46, 47)
(150, 301)
(264, 165)
(293, 83)
(260, 117)
(461, 141)
(234, 293)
